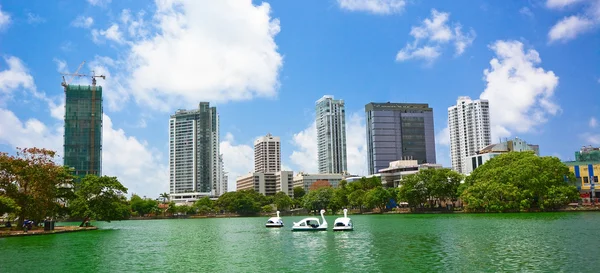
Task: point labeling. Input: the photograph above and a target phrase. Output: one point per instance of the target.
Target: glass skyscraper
(331, 135)
(397, 131)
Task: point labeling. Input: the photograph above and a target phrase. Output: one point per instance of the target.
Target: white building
(392, 176)
(195, 168)
(494, 150)
(266, 183)
(222, 183)
(331, 135)
(267, 154)
(469, 126)
(306, 180)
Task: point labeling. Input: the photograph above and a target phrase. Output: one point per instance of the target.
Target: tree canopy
(519, 181)
(101, 199)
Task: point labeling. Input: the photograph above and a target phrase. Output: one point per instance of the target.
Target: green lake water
(545, 242)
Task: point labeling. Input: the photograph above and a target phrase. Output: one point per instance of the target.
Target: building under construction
(83, 129)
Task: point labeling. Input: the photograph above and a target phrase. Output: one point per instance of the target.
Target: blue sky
(264, 64)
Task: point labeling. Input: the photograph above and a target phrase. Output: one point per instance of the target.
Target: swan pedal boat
(343, 223)
(311, 224)
(275, 222)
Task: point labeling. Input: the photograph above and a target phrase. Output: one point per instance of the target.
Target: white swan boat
(343, 223)
(311, 224)
(274, 222)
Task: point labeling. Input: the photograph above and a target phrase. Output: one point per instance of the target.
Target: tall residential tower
(331, 135)
(83, 129)
(194, 158)
(397, 131)
(267, 154)
(469, 126)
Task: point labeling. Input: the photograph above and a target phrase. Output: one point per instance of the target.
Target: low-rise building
(392, 175)
(586, 168)
(266, 183)
(305, 180)
(491, 151)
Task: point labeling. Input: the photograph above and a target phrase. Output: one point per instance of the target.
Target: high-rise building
(331, 135)
(469, 126)
(194, 158)
(83, 129)
(399, 131)
(267, 154)
(222, 183)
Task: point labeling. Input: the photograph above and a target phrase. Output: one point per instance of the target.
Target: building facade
(586, 168)
(397, 170)
(398, 131)
(195, 165)
(266, 183)
(494, 150)
(306, 180)
(83, 129)
(267, 154)
(331, 135)
(469, 126)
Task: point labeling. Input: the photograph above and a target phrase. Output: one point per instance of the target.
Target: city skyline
(264, 64)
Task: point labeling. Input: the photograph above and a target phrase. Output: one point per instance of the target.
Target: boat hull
(273, 226)
(309, 229)
(343, 229)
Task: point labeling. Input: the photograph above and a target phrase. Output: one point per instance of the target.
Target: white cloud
(237, 158)
(34, 19)
(443, 137)
(593, 139)
(559, 4)
(30, 133)
(99, 3)
(4, 18)
(432, 35)
(83, 22)
(112, 33)
(526, 11)
(305, 155)
(204, 51)
(593, 122)
(520, 92)
(15, 77)
(373, 6)
(570, 27)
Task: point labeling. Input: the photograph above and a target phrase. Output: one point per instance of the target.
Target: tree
(204, 205)
(101, 199)
(299, 192)
(244, 202)
(378, 197)
(165, 197)
(357, 199)
(282, 201)
(519, 181)
(318, 199)
(34, 182)
(143, 206)
(413, 191)
(8, 205)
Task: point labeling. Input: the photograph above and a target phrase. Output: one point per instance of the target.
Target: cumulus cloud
(237, 158)
(4, 18)
(112, 33)
(305, 155)
(34, 19)
(15, 77)
(99, 3)
(432, 35)
(572, 26)
(520, 92)
(593, 122)
(526, 11)
(443, 137)
(83, 22)
(373, 6)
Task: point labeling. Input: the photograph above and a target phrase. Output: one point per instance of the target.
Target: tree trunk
(84, 220)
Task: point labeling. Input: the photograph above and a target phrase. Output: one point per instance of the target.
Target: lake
(548, 242)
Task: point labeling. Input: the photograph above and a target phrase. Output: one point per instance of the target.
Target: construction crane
(93, 119)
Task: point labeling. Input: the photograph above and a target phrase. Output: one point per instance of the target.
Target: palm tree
(165, 197)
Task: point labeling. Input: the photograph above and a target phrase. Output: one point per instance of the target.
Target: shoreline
(37, 232)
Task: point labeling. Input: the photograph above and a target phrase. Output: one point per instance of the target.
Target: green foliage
(357, 199)
(35, 183)
(282, 201)
(267, 208)
(433, 185)
(143, 206)
(101, 199)
(299, 192)
(318, 199)
(7, 205)
(204, 205)
(378, 197)
(245, 202)
(519, 181)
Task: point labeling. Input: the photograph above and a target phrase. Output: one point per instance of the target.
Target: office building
(305, 180)
(494, 150)
(266, 183)
(397, 170)
(267, 154)
(469, 126)
(83, 129)
(399, 131)
(331, 135)
(194, 161)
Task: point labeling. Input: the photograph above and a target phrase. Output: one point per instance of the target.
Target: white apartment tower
(267, 154)
(469, 126)
(331, 135)
(195, 165)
